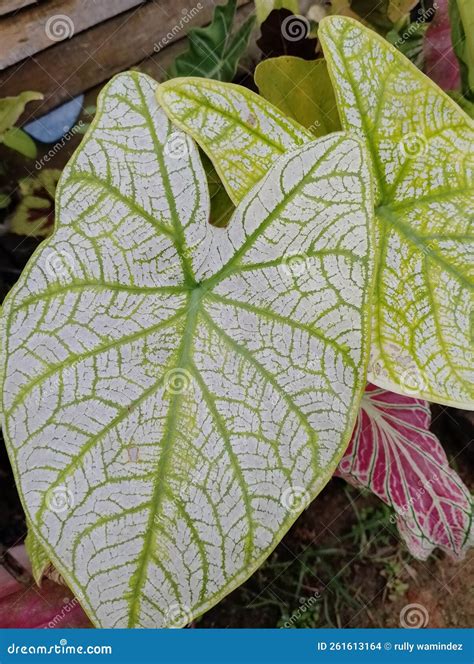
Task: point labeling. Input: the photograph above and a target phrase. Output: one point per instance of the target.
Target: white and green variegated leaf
(421, 144)
(174, 394)
(422, 153)
(242, 133)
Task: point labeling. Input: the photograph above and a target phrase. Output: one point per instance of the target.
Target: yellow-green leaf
(12, 107)
(421, 144)
(302, 90)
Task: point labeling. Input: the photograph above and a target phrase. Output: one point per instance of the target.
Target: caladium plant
(393, 453)
(192, 393)
(420, 143)
(173, 393)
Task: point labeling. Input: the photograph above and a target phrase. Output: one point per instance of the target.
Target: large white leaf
(174, 394)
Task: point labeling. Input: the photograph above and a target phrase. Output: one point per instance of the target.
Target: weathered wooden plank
(65, 70)
(8, 6)
(50, 22)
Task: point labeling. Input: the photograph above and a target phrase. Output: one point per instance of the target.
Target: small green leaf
(214, 51)
(467, 106)
(241, 132)
(421, 146)
(16, 139)
(222, 207)
(398, 9)
(4, 200)
(12, 107)
(370, 12)
(34, 214)
(264, 7)
(302, 90)
(175, 394)
(409, 37)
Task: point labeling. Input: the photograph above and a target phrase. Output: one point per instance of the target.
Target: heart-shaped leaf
(241, 132)
(174, 394)
(421, 145)
(394, 454)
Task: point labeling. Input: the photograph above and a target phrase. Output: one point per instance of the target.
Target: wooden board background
(95, 52)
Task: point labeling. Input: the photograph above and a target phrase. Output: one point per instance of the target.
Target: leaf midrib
(183, 361)
(387, 215)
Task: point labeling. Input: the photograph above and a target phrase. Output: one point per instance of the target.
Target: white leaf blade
(172, 415)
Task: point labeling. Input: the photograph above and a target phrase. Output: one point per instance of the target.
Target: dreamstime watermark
(59, 499)
(68, 606)
(298, 614)
(178, 27)
(413, 28)
(413, 381)
(295, 28)
(59, 27)
(295, 265)
(178, 381)
(414, 616)
(176, 146)
(294, 499)
(177, 616)
(413, 145)
(58, 146)
(59, 263)
(403, 510)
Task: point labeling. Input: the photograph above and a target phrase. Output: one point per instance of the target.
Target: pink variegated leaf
(441, 63)
(393, 453)
(24, 604)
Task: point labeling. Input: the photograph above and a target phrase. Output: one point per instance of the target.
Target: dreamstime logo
(413, 145)
(186, 16)
(294, 499)
(412, 381)
(59, 263)
(176, 146)
(59, 499)
(295, 27)
(413, 28)
(59, 27)
(375, 366)
(177, 616)
(295, 265)
(413, 503)
(414, 616)
(306, 604)
(68, 606)
(52, 152)
(178, 381)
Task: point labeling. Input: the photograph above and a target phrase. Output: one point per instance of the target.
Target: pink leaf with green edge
(25, 605)
(393, 453)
